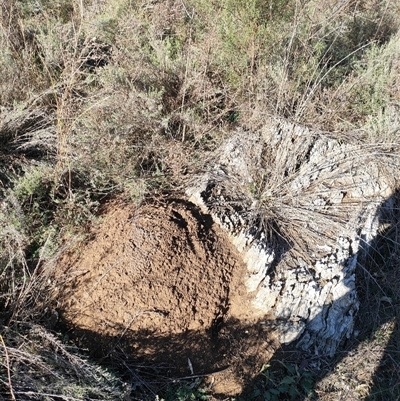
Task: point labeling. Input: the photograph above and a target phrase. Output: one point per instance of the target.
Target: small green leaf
(293, 392)
(288, 380)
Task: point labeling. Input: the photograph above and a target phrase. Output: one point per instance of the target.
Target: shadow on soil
(294, 375)
(228, 353)
(232, 350)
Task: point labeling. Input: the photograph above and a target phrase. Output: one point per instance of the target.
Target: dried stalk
(8, 369)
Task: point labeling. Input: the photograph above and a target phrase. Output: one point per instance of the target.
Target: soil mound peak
(164, 282)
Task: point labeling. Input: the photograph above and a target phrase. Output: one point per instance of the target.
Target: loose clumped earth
(163, 282)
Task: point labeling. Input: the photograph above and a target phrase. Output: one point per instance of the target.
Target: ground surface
(163, 283)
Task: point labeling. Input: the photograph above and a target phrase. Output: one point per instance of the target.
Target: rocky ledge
(302, 209)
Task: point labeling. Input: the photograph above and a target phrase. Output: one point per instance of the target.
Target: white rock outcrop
(299, 207)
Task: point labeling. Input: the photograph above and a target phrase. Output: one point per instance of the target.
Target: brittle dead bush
(49, 369)
(128, 98)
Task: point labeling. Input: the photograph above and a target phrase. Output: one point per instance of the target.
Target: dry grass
(41, 366)
(126, 98)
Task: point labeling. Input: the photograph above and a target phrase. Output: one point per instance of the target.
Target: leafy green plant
(185, 392)
(291, 384)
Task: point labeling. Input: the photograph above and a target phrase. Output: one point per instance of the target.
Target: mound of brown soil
(163, 283)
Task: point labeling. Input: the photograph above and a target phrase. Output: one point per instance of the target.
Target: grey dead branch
(302, 209)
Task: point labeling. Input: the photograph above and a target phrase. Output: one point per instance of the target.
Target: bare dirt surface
(163, 283)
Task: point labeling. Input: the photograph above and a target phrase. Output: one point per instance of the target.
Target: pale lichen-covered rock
(299, 207)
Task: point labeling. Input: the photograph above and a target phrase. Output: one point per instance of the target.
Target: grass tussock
(127, 98)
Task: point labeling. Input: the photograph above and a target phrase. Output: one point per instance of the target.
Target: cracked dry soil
(162, 283)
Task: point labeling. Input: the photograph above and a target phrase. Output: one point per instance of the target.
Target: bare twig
(53, 396)
(8, 369)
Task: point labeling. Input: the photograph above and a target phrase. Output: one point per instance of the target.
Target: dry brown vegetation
(124, 98)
